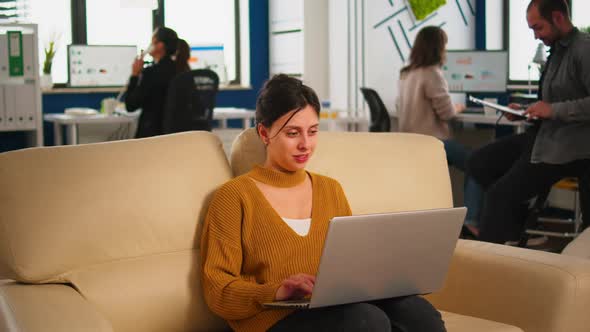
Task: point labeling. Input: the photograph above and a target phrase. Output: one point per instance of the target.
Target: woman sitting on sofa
(264, 232)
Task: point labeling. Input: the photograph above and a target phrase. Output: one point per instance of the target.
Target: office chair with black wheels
(190, 101)
(379, 117)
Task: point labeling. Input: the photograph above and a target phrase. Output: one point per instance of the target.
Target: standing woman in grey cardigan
(424, 107)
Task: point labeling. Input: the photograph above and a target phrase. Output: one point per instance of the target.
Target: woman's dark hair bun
(283, 80)
(282, 94)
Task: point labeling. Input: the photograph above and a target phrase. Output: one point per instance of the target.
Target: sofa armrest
(47, 308)
(534, 290)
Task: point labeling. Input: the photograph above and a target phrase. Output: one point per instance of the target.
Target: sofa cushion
(51, 308)
(580, 246)
(162, 293)
(151, 293)
(67, 208)
(537, 291)
(379, 172)
(461, 323)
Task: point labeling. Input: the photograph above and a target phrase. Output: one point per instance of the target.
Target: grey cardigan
(423, 104)
(566, 86)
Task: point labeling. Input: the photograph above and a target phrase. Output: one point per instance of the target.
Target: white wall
(494, 25)
(363, 51)
(299, 41)
(338, 53)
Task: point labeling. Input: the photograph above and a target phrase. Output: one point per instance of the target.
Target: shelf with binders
(20, 93)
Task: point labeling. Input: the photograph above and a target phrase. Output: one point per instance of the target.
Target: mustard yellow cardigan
(247, 249)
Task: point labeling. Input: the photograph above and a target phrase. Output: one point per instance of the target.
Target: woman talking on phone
(148, 86)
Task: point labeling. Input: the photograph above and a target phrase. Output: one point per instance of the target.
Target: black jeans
(403, 314)
(509, 179)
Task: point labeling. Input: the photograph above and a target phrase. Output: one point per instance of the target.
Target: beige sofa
(580, 246)
(103, 237)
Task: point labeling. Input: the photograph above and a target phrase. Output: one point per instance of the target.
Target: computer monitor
(209, 56)
(99, 65)
(476, 71)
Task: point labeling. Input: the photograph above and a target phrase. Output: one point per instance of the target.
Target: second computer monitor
(99, 65)
(211, 57)
(476, 71)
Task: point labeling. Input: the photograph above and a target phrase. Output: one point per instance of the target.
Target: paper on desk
(498, 107)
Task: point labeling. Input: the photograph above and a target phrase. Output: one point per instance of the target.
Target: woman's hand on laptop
(295, 287)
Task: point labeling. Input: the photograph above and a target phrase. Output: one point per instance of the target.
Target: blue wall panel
(480, 24)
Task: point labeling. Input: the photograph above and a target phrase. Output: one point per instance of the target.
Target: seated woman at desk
(260, 242)
(147, 87)
(425, 107)
(181, 57)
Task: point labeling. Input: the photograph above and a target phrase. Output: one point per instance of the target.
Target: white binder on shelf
(3, 57)
(10, 106)
(2, 103)
(29, 53)
(25, 106)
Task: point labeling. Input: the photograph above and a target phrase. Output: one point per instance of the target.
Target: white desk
(490, 119)
(225, 113)
(341, 118)
(482, 118)
(71, 122)
(336, 119)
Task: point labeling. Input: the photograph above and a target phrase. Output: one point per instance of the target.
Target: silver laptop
(378, 256)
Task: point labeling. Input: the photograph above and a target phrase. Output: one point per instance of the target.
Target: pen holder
(108, 106)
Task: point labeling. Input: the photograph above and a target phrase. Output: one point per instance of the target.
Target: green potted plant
(585, 29)
(50, 50)
(49, 54)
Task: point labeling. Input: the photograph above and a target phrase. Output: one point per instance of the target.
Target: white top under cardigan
(300, 226)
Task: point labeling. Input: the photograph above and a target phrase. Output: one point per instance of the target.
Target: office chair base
(568, 221)
(563, 235)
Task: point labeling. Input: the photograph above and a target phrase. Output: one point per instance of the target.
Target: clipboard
(498, 107)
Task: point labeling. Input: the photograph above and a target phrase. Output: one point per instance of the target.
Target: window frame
(506, 33)
(80, 31)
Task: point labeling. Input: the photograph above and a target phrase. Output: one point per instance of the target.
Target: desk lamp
(538, 60)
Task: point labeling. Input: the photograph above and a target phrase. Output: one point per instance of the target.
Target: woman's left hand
(137, 66)
(295, 287)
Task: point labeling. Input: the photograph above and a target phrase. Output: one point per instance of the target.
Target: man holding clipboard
(514, 169)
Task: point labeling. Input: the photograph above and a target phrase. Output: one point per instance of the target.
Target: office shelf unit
(299, 41)
(20, 92)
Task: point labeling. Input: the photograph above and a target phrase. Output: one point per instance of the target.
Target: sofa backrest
(379, 172)
(118, 220)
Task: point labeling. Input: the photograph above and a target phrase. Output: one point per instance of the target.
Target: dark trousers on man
(509, 180)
